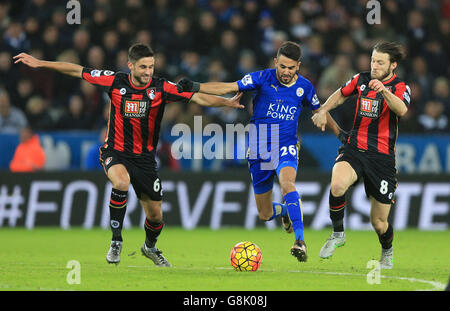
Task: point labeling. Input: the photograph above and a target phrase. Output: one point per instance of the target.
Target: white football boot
(113, 255)
(337, 239)
(387, 258)
(155, 255)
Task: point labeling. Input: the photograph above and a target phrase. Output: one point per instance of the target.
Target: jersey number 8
(384, 187)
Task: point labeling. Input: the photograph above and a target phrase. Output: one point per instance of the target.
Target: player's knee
(264, 216)
(153, 215)
(379, 225)
(121, 184)
(287, 187)
(265, 213)
(338, 188)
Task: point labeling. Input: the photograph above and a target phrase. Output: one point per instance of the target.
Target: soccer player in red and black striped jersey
(128, 154)
(369, 151)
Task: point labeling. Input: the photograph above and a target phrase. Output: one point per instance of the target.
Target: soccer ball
(246, 256)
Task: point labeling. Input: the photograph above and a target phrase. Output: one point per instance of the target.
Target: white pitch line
(437, 286)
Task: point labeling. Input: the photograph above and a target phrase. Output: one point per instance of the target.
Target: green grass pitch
(37, 260)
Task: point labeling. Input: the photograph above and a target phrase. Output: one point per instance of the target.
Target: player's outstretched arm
(69, 69)
(217, 101)
(321, 118)
(213, 88)
(219, 88)
(331, 124)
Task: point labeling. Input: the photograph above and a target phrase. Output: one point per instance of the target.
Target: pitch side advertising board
(215, 200)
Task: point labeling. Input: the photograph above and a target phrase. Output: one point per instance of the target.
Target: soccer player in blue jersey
(273, 143)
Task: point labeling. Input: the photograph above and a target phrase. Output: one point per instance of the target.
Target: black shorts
(377, 170)
(142, 170)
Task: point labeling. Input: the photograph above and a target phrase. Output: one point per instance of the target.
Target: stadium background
(218, 40)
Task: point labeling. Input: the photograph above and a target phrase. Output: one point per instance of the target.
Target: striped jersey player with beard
(128, 155)
(369, 152)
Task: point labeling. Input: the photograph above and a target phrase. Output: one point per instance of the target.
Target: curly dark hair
(394, 49)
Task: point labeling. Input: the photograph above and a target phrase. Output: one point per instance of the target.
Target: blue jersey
(273, 126)
(277, 104)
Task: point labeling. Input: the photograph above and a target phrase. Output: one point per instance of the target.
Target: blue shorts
(263, 171)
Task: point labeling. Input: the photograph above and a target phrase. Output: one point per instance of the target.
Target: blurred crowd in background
(216, 40)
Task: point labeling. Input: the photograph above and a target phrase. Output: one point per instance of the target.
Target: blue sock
(294, 206)
(278, 210)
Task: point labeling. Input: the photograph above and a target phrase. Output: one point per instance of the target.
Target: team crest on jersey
(369, 108)
(151, 93)
(135, 108)
(300, 92)
(123, 91)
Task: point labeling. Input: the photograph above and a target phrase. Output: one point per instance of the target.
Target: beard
(382, 76)
(285, 78)
(141, 81)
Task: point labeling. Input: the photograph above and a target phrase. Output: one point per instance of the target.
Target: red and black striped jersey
(375, 126)
(135, 112)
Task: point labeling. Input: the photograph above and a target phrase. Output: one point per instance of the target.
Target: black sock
(117, 209)
(152, 232)
(387, 237)
(337, 206)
